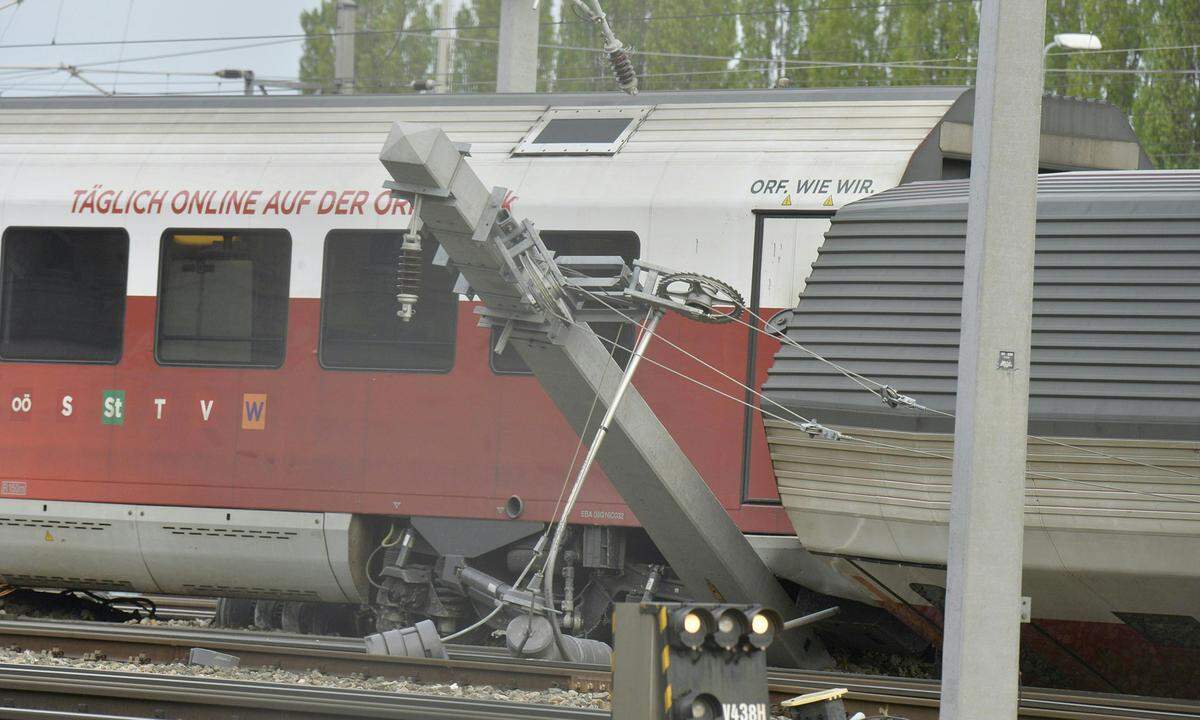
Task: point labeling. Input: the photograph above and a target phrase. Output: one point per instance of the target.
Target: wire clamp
(894, 399)
(814, 429)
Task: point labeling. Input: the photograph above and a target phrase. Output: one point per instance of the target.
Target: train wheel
(294, 616)
(268, 614)
(234, 613)
(306, 618)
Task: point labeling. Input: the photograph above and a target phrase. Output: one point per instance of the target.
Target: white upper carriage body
(685, 176)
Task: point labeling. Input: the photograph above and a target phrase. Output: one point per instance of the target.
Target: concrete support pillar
(445, 37)
(982, 634)
(343, 47)
(516, 66)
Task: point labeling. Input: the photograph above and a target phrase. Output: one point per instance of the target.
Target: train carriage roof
(1116, 314)
(923, 130)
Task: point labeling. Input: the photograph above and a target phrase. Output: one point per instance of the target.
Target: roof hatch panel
(581, 131)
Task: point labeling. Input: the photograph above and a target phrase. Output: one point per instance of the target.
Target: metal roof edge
(849, 94)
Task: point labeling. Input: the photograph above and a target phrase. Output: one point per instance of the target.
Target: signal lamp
(690, 626)
(698, 707)
(732, 625)
(764, 624)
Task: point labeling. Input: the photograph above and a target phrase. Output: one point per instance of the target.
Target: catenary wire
(890, 446)
(693, 356)
(303, 36)
(854, 376)
(793, 64)
(12, 16)
(863, 381)
(124, 37)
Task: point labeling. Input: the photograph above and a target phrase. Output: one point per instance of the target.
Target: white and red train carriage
(203, 386)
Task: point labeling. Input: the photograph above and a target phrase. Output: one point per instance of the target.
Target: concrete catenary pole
(443, 49)
(516, 66)
(343, 47)
(982, 634)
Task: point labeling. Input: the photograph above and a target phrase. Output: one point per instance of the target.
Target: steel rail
(874, 691)
(468, 665)
(905, 697)
(58, 688)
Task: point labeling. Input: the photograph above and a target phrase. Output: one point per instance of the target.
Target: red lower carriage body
(300, 437)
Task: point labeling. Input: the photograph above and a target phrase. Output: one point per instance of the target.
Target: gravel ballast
(314, 678)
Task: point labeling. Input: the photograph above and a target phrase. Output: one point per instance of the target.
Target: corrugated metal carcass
(1112, 539)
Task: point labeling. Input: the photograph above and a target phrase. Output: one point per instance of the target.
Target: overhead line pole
(343, 47)
(982, 633)
(443, 50)
(516, 63)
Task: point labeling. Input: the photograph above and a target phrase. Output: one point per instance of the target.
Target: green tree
(698, 44)
(583, 71)
(393, 46)
(1080, 74)
(1166, 109)
(774, 30)
(840, 31)
(671, 39)
(929, 40)
(476, 49)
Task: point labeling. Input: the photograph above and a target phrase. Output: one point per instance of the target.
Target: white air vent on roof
(581, 131)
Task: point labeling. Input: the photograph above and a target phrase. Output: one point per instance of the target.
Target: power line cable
(57, 19)
(124, 36)
(792, 63)
(881, 390)
(1107, 51)
(205, 51)
(890, 446)
(889, 396)
(303, 36)
(12, 16)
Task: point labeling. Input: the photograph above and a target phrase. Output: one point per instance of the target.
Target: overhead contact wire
(902, 448)
(863, 380)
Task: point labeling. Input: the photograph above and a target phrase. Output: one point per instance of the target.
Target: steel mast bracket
(543, 303)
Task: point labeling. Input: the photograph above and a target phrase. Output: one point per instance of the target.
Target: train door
(785, 247)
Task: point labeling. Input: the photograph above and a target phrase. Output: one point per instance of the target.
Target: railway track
(37, 692)
(473, 665)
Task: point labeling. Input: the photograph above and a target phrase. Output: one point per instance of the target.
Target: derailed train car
(1112, 513)
(206, 390)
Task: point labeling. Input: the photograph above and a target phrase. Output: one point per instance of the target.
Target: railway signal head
(690, 627)
(764, 624)
(732, 626)
(688, 661)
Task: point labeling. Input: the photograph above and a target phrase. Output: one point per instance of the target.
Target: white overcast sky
(38, 22)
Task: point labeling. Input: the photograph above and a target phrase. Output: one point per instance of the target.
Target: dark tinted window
(359, 326)
(62, 294)
(625, 244)
(582, 130)
(223, 297)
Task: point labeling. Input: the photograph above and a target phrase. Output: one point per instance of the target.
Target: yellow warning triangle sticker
(828, 202)
(49, 537)
(787, 201)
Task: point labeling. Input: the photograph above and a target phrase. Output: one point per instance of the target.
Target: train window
(618, 335)
(359, 326)
(62, 294)
(581, 131)
(223, 297)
